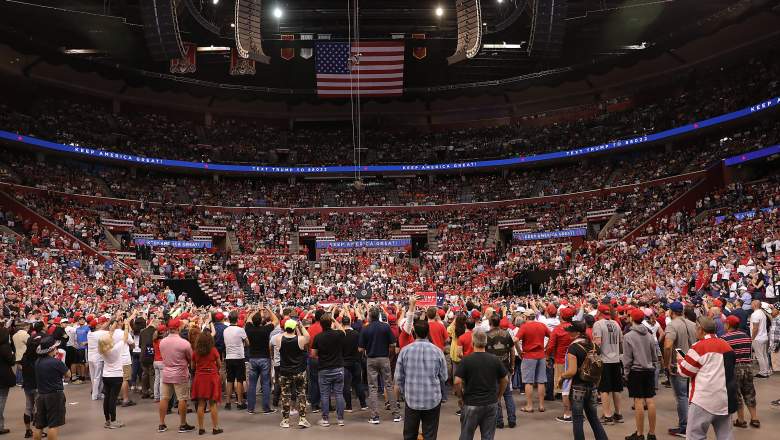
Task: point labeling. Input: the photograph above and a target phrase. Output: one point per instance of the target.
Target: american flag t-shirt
(376, 68)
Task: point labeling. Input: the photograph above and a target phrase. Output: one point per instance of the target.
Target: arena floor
(85, 420)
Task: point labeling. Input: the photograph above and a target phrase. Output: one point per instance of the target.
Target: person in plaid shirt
(419, 374)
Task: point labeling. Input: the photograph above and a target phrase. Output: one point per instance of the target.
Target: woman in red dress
(206, 386)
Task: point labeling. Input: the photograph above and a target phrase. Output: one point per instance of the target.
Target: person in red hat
(640, 356)
(177, 357)
(557, 347)
(741, 343)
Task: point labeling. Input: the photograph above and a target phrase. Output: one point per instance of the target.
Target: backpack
(592, 366)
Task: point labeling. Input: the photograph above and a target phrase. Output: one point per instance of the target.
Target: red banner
(188, 63)
(426, 299)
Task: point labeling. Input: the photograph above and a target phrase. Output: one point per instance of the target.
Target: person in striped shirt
(709, 364)
(746, 391)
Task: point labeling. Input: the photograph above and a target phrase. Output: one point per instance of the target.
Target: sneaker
(162, 428)
(268, 411)
(397, 419)
(128, 403)
(228, 406)
(618, 418)
(107, 424)
(186, 428)
(374, 420)
(775, 402)
(348, 410)
(365, 408)
(315, 410)
(676, 432)
(635, 436)
(500, 425)
(241, 406)
(251, 411)
(28, 433)
(607, 420)
(115, 425)
(303, 423)
(217, 431)
(457, 413)
(340, 422)
(563, 419)
(650, 437)
(324, 423)
(512, 424)
(285, 423)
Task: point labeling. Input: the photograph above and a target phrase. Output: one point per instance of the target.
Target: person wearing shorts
(741, 343)
(177, 356)
(533, 367)
(235, 361)
(50, 403)
(640, 356)
(609, 338)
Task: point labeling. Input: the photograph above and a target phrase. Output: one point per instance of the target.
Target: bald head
(756, 304)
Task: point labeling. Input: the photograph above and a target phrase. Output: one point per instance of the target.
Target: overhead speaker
(469, 13)
(548, 28)
(249, 42)
(161, 29)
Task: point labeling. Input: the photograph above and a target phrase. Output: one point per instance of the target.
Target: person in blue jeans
(353, 371)
(258, 329)
(327, 347)
(582, 394)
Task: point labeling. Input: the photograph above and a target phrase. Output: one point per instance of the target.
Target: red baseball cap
(219, 316)
(475, 314)
(733, 320)
(174, 324)
(551, 310)
(441, 313)
(637, 315)
(567, 313)
(604, 309)
(93, 323)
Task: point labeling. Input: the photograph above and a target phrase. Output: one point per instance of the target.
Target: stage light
(214, 2)
(439, 11)
(278, 12)
(500, 1)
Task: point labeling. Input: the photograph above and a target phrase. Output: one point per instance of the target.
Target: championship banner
(288, 53)
(307, 52)
(241, 66)
(188, 63)
(527, 236)
(362, 244)
(418, 51)
(177, 244)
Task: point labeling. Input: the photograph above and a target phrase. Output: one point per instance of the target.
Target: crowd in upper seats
(693, 96)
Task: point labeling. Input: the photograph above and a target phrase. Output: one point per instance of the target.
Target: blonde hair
(105, 344)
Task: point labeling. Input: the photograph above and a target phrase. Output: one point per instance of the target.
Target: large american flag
(377, 69)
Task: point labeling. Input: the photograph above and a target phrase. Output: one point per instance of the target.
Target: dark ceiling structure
(107, 36)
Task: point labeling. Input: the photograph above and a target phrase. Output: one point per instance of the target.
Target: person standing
(741, 343)
(206, 385)
(312, 365)
(353, 369)
(760, 335)
(583, 393)
(29, 384)
(176, 353)
(680, 335)
(480, 381)
(94, 359)
(111, 351)
(640, 355)
(19, 340)
(710, 364)
(146, 345)
(419, 374)
(292, 370)
(557, 347)
(235, 363)
(532, 335)
(328, 346)
(376, 341)
(50, 404)
(609, 338)
(7, 375)
(501, 345)
(258, 331)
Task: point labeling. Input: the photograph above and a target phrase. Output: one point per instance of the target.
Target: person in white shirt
(127, 362)
(70, 351)
(112, 349)
(95, 359)
(235, 363)
(760, 336)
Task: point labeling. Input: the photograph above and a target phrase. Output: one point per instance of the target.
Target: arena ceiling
(107, 36)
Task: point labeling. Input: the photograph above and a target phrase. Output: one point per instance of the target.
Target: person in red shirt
(557, 347)
(532, 367)
(464, 340)
(314, 363)
(437, 330)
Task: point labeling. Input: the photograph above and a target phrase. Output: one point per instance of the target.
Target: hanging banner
(188, 63)
(288, 53)
(526, 236)
(307, 52)
(418, 51)
(241, 66)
